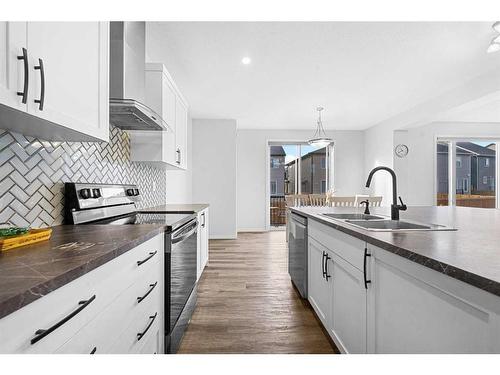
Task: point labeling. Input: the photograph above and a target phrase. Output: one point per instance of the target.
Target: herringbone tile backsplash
(33, 173)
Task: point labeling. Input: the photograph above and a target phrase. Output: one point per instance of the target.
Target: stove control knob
(136, 191)
(85, 193)
(129, 192)
(96, 193)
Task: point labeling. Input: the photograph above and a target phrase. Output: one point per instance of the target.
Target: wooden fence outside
(278, 210)
(468, 200)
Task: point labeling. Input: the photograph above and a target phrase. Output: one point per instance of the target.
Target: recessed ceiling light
(496, 26)
(246, 60)
(494, 47)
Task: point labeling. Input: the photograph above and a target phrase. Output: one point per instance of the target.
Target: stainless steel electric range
(101, 204)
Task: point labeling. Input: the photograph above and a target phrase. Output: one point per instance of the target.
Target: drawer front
(105, 283)
(141, 322)
(347, 247)
(152, 345)
(101, 332)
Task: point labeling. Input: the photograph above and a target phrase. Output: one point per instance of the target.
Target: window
(323, 163)
(465, 173)
(323, 187)
(274, 187)
(275, 163)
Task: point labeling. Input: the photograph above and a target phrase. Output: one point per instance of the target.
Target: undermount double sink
(383, 224)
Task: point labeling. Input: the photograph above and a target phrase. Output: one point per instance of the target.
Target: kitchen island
(407, 292)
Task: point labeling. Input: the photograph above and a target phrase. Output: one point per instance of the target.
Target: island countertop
(32, 271)
(470, 254)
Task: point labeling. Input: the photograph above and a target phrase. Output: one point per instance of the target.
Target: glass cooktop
(170, 220)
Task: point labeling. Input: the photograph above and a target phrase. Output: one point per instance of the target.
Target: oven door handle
(188, 234)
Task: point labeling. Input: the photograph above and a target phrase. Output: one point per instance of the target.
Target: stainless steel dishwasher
(297, 252)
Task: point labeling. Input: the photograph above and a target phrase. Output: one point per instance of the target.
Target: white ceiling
(362, 73)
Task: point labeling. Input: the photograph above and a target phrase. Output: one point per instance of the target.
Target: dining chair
(342, 201)
(317, 200)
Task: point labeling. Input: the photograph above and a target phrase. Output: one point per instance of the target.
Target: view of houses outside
(475, 168)
(284, 165)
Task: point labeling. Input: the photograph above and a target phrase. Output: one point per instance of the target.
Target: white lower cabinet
(404, 308)
(202, 241)
(348, 323)
(99, 312)
(337, 294)
(320, 288)
(413, 309)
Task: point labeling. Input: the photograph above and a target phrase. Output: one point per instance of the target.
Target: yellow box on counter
(33, 236)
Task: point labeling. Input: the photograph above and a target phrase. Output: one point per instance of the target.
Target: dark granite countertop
(30, 272)
(470, 254)
(176, 208)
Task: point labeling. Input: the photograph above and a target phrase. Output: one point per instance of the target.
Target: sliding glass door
(466, 172)
(296, 168)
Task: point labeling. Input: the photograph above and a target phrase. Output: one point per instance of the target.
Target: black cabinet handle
(323, 264)
(141, 335)
(152, 286)
(139, 262)
(24, 94)
(178, 151)
(41, 333)
(42, 85)
(94, 350)
(327, 257)
(364, 268)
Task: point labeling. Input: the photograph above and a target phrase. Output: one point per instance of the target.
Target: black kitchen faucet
(395, 207)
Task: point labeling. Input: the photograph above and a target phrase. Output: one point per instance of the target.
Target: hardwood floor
(247, 304)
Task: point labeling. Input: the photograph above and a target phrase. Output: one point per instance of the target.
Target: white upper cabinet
(13, 79)
(168, 148)
(67, 81)
(181, 119)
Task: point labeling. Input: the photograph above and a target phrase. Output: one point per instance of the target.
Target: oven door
(181, 267)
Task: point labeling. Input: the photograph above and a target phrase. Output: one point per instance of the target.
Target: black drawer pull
(141, 335)
(42, 84)
(152, 286)
(41, 333)
(24, 94)
(94, 350)
(139, 262)
(364, 268)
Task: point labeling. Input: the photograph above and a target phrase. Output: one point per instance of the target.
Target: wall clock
(401, 150)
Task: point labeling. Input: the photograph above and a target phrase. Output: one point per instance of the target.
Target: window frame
(452, 161)
(275, 187)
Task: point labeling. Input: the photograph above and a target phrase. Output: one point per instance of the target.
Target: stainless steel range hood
(127, 108)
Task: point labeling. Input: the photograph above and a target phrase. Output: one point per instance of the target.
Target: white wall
(214, 173)
(252, 169)
(179, 182)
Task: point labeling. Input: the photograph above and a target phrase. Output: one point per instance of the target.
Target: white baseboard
(252, 230)
(223, 237)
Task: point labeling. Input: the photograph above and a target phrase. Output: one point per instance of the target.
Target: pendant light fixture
(320, 139)
(495, 42)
